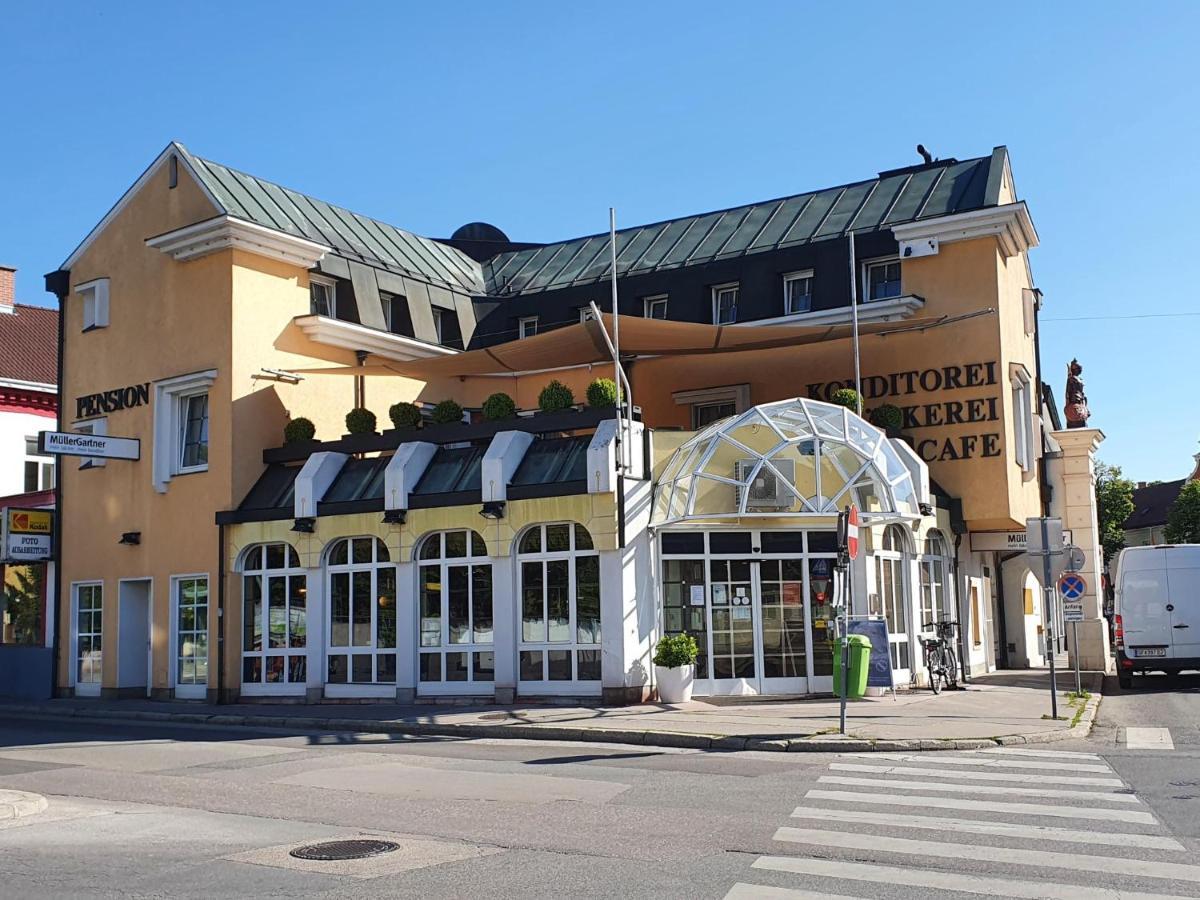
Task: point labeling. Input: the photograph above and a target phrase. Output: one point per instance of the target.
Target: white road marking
(947, 881)
(1050, 859)
(1149, 739)
(1031, 778)
(994, 761)
(1022, 751)
(742, 891)
(971, 826)
(998, 789)
(1028, 809)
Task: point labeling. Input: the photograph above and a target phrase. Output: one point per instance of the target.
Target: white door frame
(89, 689)
(187, 691)
(149, 628)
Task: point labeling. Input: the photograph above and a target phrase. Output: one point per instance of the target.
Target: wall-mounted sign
(26, 535)
(62, 443)
(91, 405)
(1005, 541)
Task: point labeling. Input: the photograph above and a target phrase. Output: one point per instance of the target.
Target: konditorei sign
(27, 535)
(101, 446)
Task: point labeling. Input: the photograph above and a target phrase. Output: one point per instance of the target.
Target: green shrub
(360, 421)
(446, 413)
(405, 415)
(887, 416)
(499, 406)
(602, 393)
(299, 430)
(555, 396)
(675, 650)
(847, 397)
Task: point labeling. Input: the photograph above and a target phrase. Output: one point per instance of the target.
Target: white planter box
(675, 685)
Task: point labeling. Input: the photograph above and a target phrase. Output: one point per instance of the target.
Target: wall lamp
(304, 526)
(493, 509)
(395, 516)
(131, 538)
(926, 509)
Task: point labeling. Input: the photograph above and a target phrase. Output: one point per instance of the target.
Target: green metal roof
(904, 195)
(349, 234)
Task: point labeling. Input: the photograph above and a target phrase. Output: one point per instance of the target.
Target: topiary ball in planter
(360, 421)
(555, 396)
(847, 397)
(446, 413)
(602, 393)
(405, 415)
(499, 406)
(298, 431)
(887, 416)
(675, 667)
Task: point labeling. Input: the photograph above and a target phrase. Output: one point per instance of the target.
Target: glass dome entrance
(791, 459)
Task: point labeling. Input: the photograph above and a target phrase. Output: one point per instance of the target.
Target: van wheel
(1125, 679)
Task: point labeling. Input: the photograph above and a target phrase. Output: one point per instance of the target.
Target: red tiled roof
(29, 344)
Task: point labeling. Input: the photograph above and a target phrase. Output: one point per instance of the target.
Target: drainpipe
(962, 642)
(58, 283)
(221, 614)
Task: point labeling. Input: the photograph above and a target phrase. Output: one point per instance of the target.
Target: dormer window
(725, 299)
(655, 307)
(883, 280)
(797, 293)
(437, 325)
(322, 296)
(527, 327)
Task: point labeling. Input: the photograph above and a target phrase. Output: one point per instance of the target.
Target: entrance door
(133, 637)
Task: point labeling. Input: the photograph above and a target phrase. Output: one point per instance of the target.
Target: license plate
(1149, 651)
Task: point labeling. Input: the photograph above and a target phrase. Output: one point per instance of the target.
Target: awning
(577, 345)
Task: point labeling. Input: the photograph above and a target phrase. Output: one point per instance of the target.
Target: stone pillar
(1078, 489)
(408, 626)
(505, 624)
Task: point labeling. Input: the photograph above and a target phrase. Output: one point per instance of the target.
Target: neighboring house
(1147, 523)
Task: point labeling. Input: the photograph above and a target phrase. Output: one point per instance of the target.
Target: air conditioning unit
(766, 491)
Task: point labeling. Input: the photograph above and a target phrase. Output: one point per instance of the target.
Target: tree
(1114, 504)
(1183, 521)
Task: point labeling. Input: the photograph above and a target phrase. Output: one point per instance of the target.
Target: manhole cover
(338, 850)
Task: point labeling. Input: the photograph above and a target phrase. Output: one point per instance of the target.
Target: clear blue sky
(539, 116)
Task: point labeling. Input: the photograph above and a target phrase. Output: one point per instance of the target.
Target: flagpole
(854, 324)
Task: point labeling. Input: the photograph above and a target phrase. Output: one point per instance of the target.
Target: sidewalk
(1001, 708)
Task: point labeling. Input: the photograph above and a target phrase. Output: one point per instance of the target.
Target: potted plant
(299, 431)
(499, 406)
(447, 413)
(847, 397)
(602, 393)
(360, 420)
(405, 415)
(888, 417)
(555, 397)
(675, 667)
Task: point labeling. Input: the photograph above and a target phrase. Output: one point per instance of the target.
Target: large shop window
(89, 620)
(935, 601)
(362, 613)
(560, 606)
(274, 616)
(456, 635)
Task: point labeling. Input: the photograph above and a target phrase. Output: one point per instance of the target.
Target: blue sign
(1072, 586)
(879, 670)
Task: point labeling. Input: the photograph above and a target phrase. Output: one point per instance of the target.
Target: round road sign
(1072, 586)
(852, 533)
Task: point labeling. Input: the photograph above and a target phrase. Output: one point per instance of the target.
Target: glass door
(783, 639)
(733, 627)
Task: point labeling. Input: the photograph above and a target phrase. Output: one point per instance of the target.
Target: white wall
(14, 428)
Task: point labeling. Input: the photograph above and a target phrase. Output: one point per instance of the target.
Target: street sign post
(1072, 587)
(1045, 543)
(847, 538)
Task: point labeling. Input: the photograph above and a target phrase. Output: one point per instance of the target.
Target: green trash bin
(860, 657)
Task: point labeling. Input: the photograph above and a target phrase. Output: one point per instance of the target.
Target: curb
(823, 743)
(17, 804)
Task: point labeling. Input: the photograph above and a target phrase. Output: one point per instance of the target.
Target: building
(1152, 503)
(544, 554)
(28, 405)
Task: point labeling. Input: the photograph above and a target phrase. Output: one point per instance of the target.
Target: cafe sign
(26, 535)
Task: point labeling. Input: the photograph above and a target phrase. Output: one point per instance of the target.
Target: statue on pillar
(1076, 407)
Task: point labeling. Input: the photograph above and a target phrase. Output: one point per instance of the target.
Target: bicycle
(939, 656)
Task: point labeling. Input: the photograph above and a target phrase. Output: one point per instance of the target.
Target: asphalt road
(150, 811)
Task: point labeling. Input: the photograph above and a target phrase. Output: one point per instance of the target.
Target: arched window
(891, 584)
(456, 634)
(274, 616)
(362, 613)
(933, 563)
(560, 607)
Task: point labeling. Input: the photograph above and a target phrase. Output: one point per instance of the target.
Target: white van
(1157, 610)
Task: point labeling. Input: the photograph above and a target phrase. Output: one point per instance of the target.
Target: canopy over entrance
(577, 345)
(791, 459)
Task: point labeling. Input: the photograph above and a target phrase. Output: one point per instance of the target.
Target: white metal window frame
(189, 690)
(272, 688)
(793, 278)
(95, 303)
(381, 561)
(868, 267)
(933, 574)
(899, 560)
(91, 426)
(330, 286)
(89, 688)
(527, 327)
(44, 472)
(185, 405)
(718, 290)
(649, 304)
(443, 563)
(438, 321)
(170, 400)
(546, 686)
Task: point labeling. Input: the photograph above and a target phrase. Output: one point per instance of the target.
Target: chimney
(1141, 484)
(8, 293)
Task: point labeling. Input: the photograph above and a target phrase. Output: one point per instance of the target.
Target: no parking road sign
(1072, 586)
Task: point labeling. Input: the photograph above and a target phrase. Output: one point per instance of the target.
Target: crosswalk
(1007, 821)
